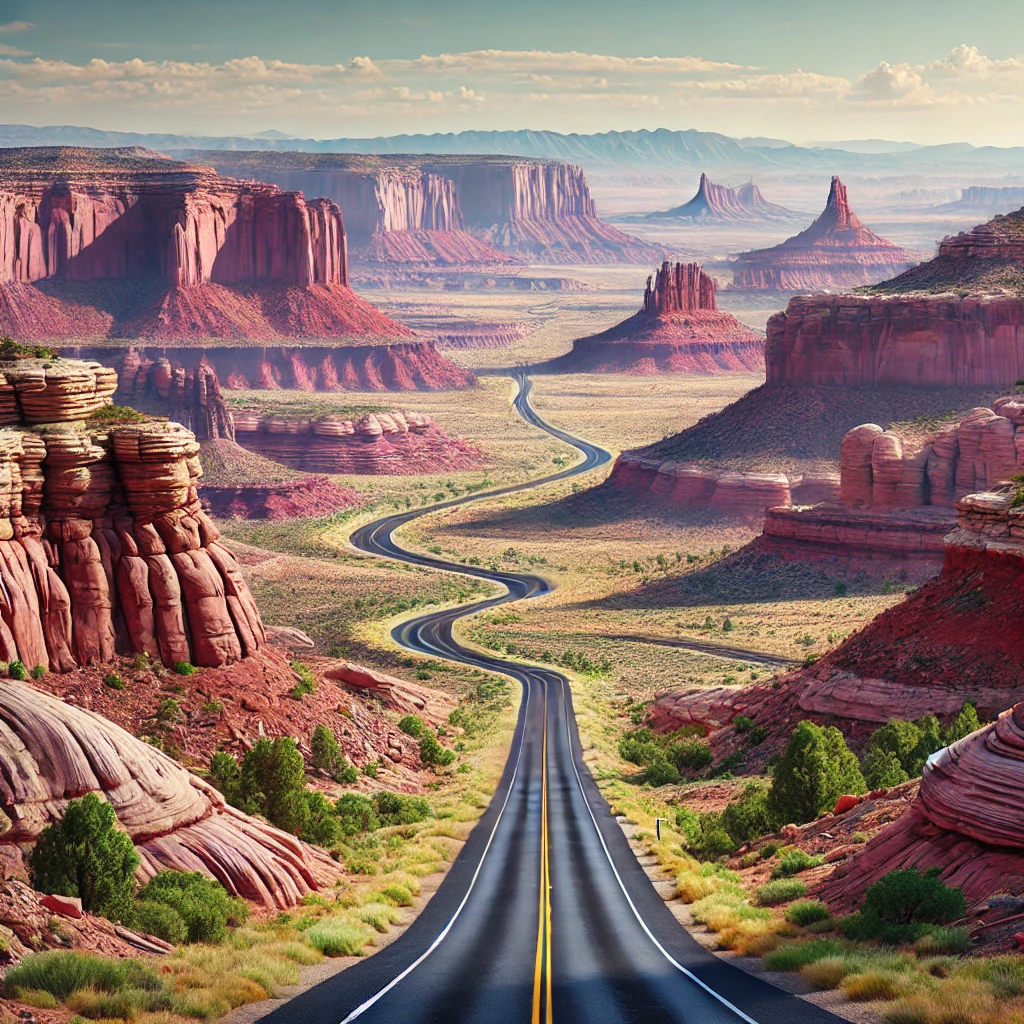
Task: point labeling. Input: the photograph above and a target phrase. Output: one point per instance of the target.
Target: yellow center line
(542, 964)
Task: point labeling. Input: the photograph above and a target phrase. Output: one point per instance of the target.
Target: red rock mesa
(679, 329)
(719, 204)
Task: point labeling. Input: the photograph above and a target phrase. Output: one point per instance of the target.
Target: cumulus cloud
(562, 91)
(15, 26)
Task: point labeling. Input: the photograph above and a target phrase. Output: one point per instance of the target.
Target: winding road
(546, 916)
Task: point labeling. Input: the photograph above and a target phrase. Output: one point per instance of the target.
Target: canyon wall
(377, 443)
(836, 251)
(105, 547)
(678, 329)
(450, 210)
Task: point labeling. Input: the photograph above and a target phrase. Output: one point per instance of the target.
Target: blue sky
(908, 69)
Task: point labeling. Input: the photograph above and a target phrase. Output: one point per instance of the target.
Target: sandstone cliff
(679, 329)
(377, 443)
(451, 209)
(124, 246)
(719, 204)
(836, 251)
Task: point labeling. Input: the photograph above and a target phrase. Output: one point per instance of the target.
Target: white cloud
(15, 26)
(895, 84)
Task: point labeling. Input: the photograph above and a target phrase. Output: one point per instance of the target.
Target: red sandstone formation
(897, 493)
(392, 443)
(719, 204)
(836, 251)
(309, 497)
(105, 547)
(415, 208)
(679, 329)
(54, 752)
(688, 485)
(397, 694)
(966, 821)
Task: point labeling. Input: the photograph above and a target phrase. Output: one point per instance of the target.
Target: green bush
(639, 751)
(794, 955)
(305, 684)
(357, 814)
(805, 912)
(749, 817)
(227, 777)
(184, 668)
(706, 838)
(412, 726)
(964, 724)
(329, 758)
(63, 972)
(38, 672)
(690, 755)
(111, 679)
(397, 895)
(16, 670)
(204, 905)
(320, 824)
(906, 897)
(771, 894)
(944, 942)
(397, 809)
(794, 862)
(159, 919)
(86, 855)
(432, 753)
(660, 773)
(882, 769)
(816, 769)
(909, 743)
(273, 781)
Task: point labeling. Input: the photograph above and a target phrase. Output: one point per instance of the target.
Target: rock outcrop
(835, 252)
(966, 821)
(393, 442)
(440, 209)
(719, 204)
(52, 752)
(104, 544)
(679, 329)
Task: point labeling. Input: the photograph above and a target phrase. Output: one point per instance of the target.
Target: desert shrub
(160, 920)
(743, 724)
(397, 895)
(771, 894)
(86, 855)
(906, 897)
(16, 670)
(792, 956)
(794, 862)
(816, 769)
(320, 824)
(356, 814)
(338, 938)
(706, 837)
(111, 679)
(660, 773)
(305, 683)
(749, 817)
(413, 726)
(915, 1010)
(273, 782)
(805, 912)
(944, 942)
(326, 752)
(62, 972)
(690, 755)
(397, 809)
(640, 751)
(227, 777)
(432, 753)
(827, 973)
(379, 916)
(184, 668)
(871, 985)
(689, 824)
(204, 905)
(882, 769)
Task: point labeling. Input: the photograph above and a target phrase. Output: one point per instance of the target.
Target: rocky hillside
(679, 329)
(437, 209)
(837, 251)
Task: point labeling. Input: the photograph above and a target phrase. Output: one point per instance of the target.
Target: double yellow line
(542, 965)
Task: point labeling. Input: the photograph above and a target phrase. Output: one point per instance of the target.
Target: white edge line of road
(363, 1007)
(643, 924)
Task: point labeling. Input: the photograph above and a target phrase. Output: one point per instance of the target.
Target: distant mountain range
(634, 152)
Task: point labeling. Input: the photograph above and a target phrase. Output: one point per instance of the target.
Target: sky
(926, 71)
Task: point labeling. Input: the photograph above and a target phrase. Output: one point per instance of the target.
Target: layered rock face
(689, 485)
(378, 443)
(105, 547)
(897, 494)
(719, 204)
(52, 752)
(411, 367)
(966, 821)
(451, 210)
(836, 251)
(679, 329)
(123, 244)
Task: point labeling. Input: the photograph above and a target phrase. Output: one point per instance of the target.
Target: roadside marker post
(657, 826)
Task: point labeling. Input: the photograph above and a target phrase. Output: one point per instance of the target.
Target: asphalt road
(545, 917)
